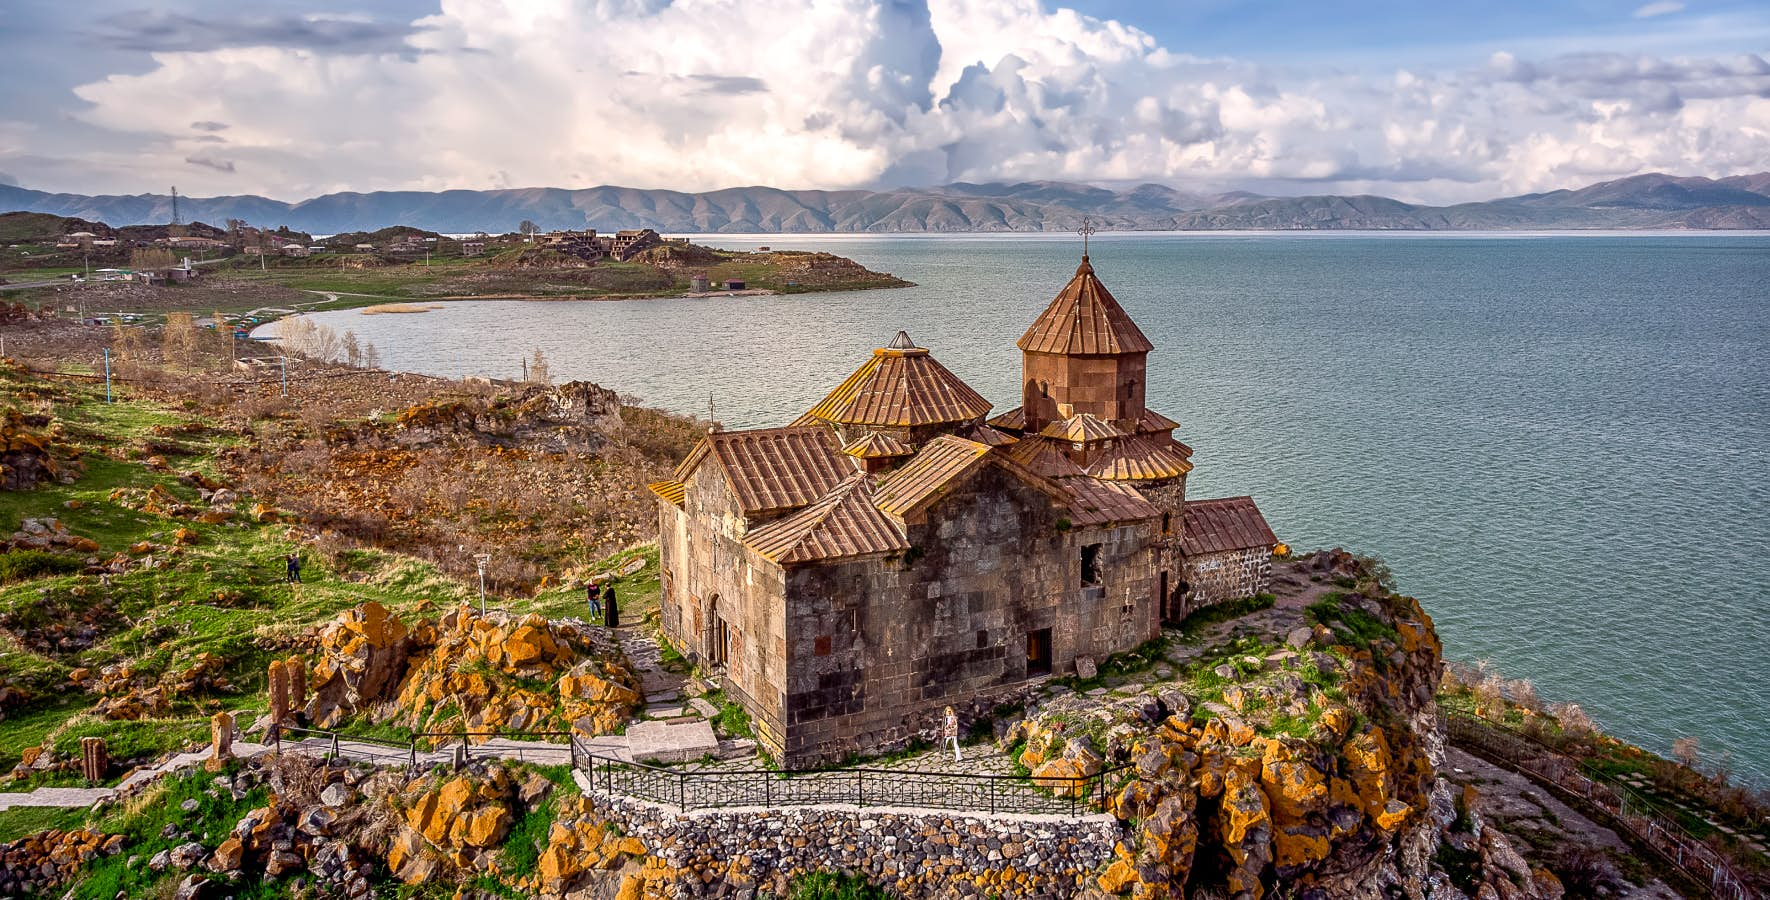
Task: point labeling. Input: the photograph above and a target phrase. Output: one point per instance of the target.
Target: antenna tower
(175, 218)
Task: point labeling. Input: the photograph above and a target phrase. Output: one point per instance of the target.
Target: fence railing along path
(607, 769)
(1622, 804)
(768, 788)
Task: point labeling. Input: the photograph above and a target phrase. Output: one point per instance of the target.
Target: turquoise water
(1558, 442)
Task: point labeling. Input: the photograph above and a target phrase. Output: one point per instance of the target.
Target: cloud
(702, 94)
(1659, 8)
(163, 31)
(219, 165)
(209, 126)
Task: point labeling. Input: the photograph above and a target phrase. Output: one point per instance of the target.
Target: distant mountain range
(1643, 201)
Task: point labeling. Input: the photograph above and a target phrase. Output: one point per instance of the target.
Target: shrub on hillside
(24, 565)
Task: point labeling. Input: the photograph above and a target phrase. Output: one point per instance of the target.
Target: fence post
(860, 788)
(335, 754)
(682, 792)
(768, 788)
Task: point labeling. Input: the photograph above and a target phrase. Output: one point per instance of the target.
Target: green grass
(828, 886)
(23, 821)
(1193, 626)
(141, 820)
(1358, 627)
(732, 719)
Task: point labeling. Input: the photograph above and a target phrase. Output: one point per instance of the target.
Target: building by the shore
(894, 550)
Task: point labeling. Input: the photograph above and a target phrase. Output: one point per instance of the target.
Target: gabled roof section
(901, 386)
(673, 492)
(1082, 428)
(772, 469)
(1145, 457)
(1042, 457)
(1012, 420)
(1232, 523)
(842, 523)
(983, 434)
(942, 463)
(1154, 421)
(877, 445)
(1095, 502)
(1085, 320)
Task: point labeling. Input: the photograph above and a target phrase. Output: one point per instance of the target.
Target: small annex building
(895, 550)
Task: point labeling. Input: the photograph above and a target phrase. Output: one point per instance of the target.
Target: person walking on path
(294, 561)
(594, 592)
(612, 611)
(952, 733)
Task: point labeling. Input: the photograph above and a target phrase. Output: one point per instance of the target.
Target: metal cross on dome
(1086, 230)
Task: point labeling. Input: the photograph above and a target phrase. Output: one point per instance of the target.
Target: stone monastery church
(895, 551)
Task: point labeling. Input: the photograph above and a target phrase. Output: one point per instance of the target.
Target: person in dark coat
(594, 592)
(294, 562)
(613, 611)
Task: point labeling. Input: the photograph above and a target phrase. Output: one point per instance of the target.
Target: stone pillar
(95, 759)
(297, 668)
(221, 741)
(279, 692)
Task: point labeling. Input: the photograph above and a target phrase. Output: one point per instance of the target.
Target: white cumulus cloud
(704, 94)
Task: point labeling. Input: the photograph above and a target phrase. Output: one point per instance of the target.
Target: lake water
(1560, 443)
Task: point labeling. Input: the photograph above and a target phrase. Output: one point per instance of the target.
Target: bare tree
(528, 228)
(178, 340)
(539, 372)
(353, 354)
(371, 357)
(305, 337)
(150, 258)
(1687, 751)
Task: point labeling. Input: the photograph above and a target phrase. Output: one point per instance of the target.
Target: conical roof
(1085, 320)
(901, 386)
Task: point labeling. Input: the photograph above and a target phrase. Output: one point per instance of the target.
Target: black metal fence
(768, 788)
(688, 789)
(1622, 804)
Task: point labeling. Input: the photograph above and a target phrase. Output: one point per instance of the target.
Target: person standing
(612, 610)
(294, 562)
(952, 733)
(594, 592)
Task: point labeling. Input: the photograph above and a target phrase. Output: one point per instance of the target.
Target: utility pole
(107, 375)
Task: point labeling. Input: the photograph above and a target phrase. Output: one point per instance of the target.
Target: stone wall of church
(877, 647)
(1230, 575)
(710, 578)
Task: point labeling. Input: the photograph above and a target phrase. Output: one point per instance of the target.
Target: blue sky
(1424, 101)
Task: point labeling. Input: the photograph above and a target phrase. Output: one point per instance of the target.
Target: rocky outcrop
(576, 417)
(36, 864)
(469, 672)
(26, 456)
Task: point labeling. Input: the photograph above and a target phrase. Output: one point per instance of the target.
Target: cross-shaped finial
(1086, 229)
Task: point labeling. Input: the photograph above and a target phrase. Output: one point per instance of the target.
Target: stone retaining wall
(917, 853)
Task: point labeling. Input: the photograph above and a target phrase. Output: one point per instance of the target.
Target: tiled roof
(842, 523)
(983, 434)
(1013, 420)
(1146, 457)
(1085, 320)
(1232, 523)
(673, 491)
(1081, 428)
(773, 469)
(1042, 457)
(902, 387)
(1094, 502)
(1154, 421)
(876, 445)
(942, 461)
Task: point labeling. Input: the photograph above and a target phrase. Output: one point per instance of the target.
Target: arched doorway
(718, 637)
